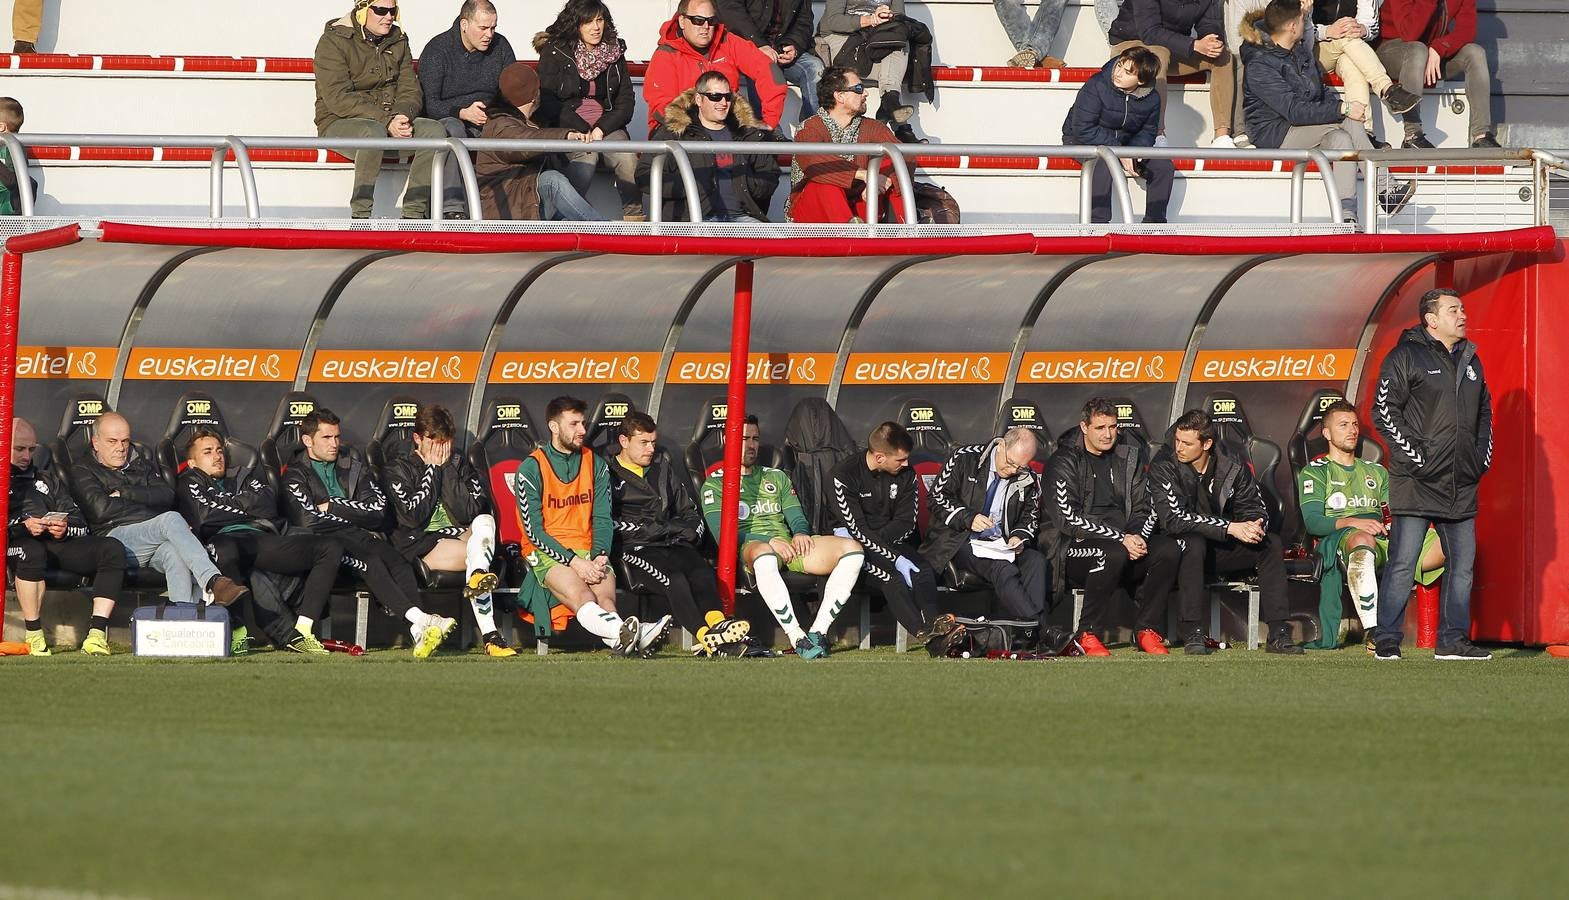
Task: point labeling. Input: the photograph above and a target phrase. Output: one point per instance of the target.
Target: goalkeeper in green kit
(1342, 498)
(774, 536)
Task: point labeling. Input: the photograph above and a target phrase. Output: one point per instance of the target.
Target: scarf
(591, 61)
(849, 134)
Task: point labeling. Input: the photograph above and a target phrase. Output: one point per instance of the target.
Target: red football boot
(1151, 642)
(1092, 645)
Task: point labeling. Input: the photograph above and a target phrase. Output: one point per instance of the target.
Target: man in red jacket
(1427, 40)
(693, 42)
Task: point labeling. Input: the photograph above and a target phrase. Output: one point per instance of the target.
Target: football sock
(836, 594)
(303, 624)
(1362, 578)
(416, 616)
(481, 550)
(600, 622)
(34, 624)
(775, 595)
(98, 623)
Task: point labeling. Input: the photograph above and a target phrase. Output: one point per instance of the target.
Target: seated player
(333, 493)
(46, 529)
(773, 532)
(237, 517)
(1342, 498)
(874, 504)
(444, 517)
(563, 496)
(657, 530)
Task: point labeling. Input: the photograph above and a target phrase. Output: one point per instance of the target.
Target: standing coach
(1432, 409)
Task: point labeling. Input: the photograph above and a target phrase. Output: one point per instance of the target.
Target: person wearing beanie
(365, 88)
(514, 184)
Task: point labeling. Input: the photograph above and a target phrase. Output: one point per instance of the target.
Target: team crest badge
(1371, 482)
(1470, 372)
(770, 488)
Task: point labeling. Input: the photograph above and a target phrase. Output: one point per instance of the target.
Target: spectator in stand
(514, 184)
(46, 530)
(1343, 29)
(1117, 108)
(584, 86)
(10, 122)
(843, 18)
(460, 74)
(27, 20)
(782, 30)
(1426, 40)
(365, 88)
(694, 42)
(1288, 106)
(832, 188)
(1186, 36)
(1032, 38)
(733, 188)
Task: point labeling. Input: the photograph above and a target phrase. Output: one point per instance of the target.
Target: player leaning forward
(774, 535)
(563, 493)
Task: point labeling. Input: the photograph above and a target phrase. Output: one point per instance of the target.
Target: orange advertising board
(925, 368)
(761, 368)
(383, 366)
(211, 364)
(65, 362)
(1274, 365)
(574, 367)
(1100, 366)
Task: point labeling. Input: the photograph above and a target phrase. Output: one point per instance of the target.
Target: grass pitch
(866, 774)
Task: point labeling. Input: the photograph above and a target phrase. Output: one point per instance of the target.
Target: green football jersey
(1327, 490)
(769, 507)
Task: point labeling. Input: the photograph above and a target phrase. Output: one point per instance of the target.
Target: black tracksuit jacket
(877, 509)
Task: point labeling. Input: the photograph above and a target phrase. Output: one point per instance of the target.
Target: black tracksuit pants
(389, 576)
(913, 605)
(316, 558)
(1101, 567)
(1020, 585)
(679, 574)
(102, 558)
(1232, 557)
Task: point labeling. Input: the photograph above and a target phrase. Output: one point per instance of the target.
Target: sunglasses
(857, 88)
(701, 21)
(717, 96)
(384, 10)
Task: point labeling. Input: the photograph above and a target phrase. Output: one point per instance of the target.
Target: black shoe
(23, 47)
(1395, 199)
(1461, 649)
(894, 109)
(1487, 142)
(1417, 141)
(907, 135)
(1386, 650)
(944, 632)
(1280, 641)
(1056, 641)
(1400, 101)
(454, 214)
(1377, 144)
(1196, 644)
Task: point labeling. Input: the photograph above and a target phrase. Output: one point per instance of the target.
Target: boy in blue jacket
(1118, 107)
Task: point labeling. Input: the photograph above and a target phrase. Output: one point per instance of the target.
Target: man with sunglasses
(694, 42)
(733, 188)
(365, 88)
(830, 187)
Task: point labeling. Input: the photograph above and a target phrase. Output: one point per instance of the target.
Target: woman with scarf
(584, 87)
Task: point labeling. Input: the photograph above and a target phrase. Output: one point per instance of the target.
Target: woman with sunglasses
(584, 87)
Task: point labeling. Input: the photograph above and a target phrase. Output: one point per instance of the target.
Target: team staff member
(1100, 532)
(563, 496)
(332, 492)
(1434, 413)
(443, 517)
(47, 530)
(1207, 497)
(238, 519)
(874, 504)
(773, 534)
(657, 530)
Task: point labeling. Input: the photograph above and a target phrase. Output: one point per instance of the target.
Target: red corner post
(735, 415)
(10, 309)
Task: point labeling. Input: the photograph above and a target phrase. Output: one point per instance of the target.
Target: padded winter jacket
(1069, 487)
(1103, 113)
(754, 180)
(561, 89)
(1175, 494)
(143, 491)
(654, 509)
(959, 495)
(416, 487)
(675, 65)
(1282, 88)
(356, 79)
(363, 505)
(36, 492)
(1173, 24)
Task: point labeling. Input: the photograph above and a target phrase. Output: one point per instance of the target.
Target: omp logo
(405, 411)
(761, 368)
(89, 408)
(1022, 413)
(616, 410)
(1124, 412)
(301, 408)
(508, 412)
(925, 368)
(922, 414)
(1328, 400)
(198, 407)
(1271, 365)
(61, 362)
(719, 411)
(393, 366)
(1099, 366)
(1223, 407)
(571, 367)
(211, 364)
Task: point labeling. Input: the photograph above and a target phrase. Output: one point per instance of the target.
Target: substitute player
(774, 533)
(1342, 498)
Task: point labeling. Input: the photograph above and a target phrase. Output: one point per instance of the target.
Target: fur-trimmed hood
(1251, 29)
(679, 115)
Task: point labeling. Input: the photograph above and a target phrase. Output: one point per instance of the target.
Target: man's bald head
(24, 441)
(112, 440)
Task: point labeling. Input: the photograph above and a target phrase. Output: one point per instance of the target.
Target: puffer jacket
(1433, 410)
(1175, 491)
(561, 89)
(509, 179)
(675, 65)
(143, 491)
(356, 79)
(1070, 486)
(416, 488)
(751, 19)
(1173, 24)
(959, 495)
(1282, 88)
(755, 178)
(1103, 113)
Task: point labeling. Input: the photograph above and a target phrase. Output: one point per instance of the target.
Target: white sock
(776, 596)
(836, 594)
(1362, 578)
(481, 550)
(303, 624)
(416, 616)
(600, 622)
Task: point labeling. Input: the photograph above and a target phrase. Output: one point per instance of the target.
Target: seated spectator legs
(581, 167)
(367, 166)
(1032, 38)
(27, 21)
(165, 542)
(1343, 135)
(452, 202)
(1222, 81)
(559, 201)
(884, 83)
(1409, 60)
(1158, 175)
(101, 558)
(1361, 74)
(804, 72)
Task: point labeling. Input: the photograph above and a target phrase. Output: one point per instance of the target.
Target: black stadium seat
(933, 445)
(604, 423)
(705, 452)
(815, 441)
(195, 410)
(507, 435)
(1307, 440)
(1263, 455)
(1020, 412)
(1131, 427)
(75, 435)
(394, 434)
(283, 434)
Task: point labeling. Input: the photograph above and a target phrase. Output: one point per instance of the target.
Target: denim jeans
(1031, 34)
(804, 73)
(166, 542)
(1394, 584)
(452, 197)
(559, 201)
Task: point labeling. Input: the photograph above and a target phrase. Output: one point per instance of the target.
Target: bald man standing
(47, 530)
(126, 498)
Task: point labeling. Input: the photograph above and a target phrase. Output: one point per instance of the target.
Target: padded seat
(604, 424)
(1021, 412)
(705, 451)
(1307, 439)
(194, 410)
(1231, 424)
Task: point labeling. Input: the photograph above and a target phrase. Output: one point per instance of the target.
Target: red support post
(10, 315)
(735, 415)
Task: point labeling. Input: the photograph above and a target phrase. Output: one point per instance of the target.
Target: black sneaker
(1487, 142)
(1417, 141)
(23, 47)
(1196, 644)
(1400, 101)
(906, 134)
(1461, 649)
(1395, 199)
(1377, 144)
(1280, 641)
(1386, 650)
(1056, 641)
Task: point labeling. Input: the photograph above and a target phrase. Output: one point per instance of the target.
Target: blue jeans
(1025, 33)
(559, 201)
(1394, 585)
(166, 542)
(804, 73)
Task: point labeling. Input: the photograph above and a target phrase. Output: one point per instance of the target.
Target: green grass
(866, 774)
